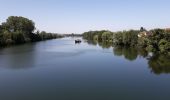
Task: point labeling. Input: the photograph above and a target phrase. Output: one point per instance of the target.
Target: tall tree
(19, 24)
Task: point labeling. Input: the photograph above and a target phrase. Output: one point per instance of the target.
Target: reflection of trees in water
(105, 44)
(143, 53)
(130, 54)
(159, 64)
(91, 42)
(101, 44)
(18, 57)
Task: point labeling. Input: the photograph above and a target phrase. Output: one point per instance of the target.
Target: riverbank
(19, 30)
(156, 40)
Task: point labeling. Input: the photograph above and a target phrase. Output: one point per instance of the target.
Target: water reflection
(105, 45)
(33, 55)
(158, 63)
(91, 42)
(129, 53)
(18, 57)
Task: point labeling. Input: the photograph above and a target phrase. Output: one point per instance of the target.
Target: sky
(78, 16)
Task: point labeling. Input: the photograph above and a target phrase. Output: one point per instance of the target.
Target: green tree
(1, 35)
(118, 38)
(164, 46)
(107, 36)
(95, 38)
(15, 23)
(20, 28)
(126, 38)
(7, 38)
(18, 37)
(43, 35)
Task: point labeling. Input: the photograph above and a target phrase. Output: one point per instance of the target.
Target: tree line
(156, 40)
(18, 30)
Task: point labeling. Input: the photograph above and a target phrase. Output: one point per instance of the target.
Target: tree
(107, 36)
(95, 38)
(21, 28)
(1, 35)
(167, 36)
(118, 38)
(43, 35)
(18, 37)
(126, 38)
(7, 38)
(15, 23)
(17, 30)
(0, 29)
(90, 35)
(133, 37)
(164, 46)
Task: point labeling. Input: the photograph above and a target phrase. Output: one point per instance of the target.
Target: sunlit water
(62, 70)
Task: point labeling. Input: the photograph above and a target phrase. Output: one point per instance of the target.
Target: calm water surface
(62, 70)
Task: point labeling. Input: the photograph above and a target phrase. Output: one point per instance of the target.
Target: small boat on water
(78, 41)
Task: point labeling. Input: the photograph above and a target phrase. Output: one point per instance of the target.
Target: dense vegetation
(157, 40)
(18, 30)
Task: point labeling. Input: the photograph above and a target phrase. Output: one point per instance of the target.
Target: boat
(78, 41)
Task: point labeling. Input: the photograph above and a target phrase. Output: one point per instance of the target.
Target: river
(62, 70)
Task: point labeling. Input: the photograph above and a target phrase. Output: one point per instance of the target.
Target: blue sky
(77, 16)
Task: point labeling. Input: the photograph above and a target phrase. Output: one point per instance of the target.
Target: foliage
(160, 40)
(130, 38)
(156, 40)
(107, 36)
(118, 38)
(17, 30)
(90, 35)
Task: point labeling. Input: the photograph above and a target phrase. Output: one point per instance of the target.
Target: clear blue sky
(67, 16)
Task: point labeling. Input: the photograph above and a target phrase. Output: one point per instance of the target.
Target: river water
(62, 70)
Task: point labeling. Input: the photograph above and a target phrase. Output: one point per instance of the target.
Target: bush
(150, 48)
